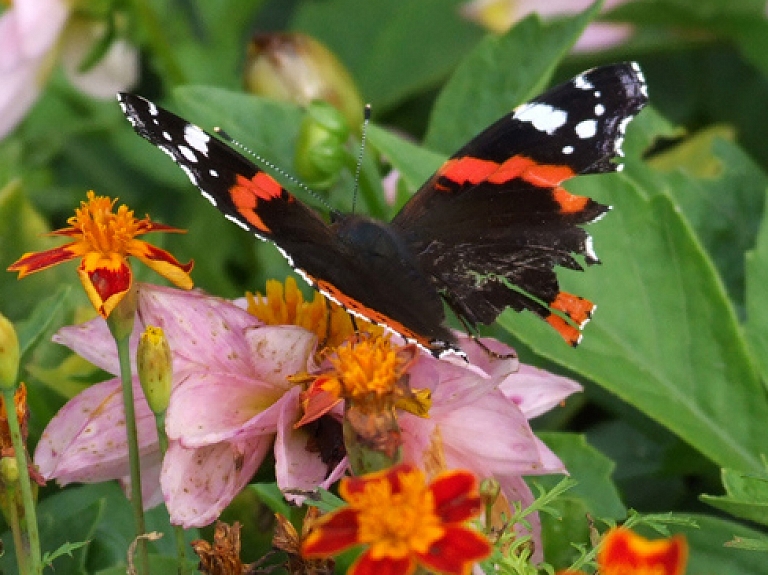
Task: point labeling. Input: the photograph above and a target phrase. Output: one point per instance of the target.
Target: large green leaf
(495, 77)
(757, 310)
(393, 51)
(665, 337)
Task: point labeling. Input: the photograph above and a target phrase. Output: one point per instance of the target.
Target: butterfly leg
(474, 336)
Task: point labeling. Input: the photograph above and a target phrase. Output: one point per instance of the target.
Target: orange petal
(162, 262)
(623, 551)
(331, 534)
(36, 261)
(106, 279)
(456, 551)
(367, 565)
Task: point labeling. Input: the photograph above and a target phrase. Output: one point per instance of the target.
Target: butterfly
(483, 234)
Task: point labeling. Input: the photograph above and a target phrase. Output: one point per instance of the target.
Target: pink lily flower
(229, 389)
(479, 421)
(33, 33)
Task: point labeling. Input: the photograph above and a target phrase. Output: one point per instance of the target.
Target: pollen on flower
(371, 366)
(397, 523)
(104, 230)
(284, 304)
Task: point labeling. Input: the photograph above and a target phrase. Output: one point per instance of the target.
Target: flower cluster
(280, 373)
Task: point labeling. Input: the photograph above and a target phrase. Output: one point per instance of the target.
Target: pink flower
(479, 420)
(29, 30)
(499, 15)
(229, 393)
(31, 33)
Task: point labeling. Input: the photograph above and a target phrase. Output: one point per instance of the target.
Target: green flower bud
(296, 68)
(155, 369)
(320, 151)
(9, 354)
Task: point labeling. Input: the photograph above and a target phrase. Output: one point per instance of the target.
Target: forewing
(492, 223)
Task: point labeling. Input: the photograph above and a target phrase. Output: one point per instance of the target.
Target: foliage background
(675, 363)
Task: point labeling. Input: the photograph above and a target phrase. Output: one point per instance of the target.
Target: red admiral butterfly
(482, 234)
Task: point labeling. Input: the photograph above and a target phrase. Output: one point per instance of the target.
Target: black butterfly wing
(492, 223)
(357, 262)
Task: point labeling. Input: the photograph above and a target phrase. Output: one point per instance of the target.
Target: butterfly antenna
(262, 160)
(366, 121)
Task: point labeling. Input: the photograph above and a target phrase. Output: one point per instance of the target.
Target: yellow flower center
(370, 367)
(397, 524)
(284, 304)
(103, 230)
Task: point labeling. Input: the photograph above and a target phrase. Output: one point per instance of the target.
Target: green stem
(159, 42)
(178, 531)
(124, 355)
(32, 549)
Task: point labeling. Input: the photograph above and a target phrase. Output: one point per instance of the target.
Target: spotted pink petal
(86, 439)
(199, 483)
(299, 470)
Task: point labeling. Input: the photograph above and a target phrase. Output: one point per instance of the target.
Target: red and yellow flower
(104, 239)
(623, 552)
(404, 522)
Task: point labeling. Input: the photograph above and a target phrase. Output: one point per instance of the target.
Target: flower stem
(178, 531)
(31, 547)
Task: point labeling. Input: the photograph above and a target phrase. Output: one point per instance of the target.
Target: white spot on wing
(167, 136)
(213, 173)
(188, 154)
(543, 117)
(599, 110)
(586, 129)
(582, 83)
(196, 138)
(153, 111)
(568, 150)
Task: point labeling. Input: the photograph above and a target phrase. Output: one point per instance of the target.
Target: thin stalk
(178, 531)
(124, 355)
(31, 547)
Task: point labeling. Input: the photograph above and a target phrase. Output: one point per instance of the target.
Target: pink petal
(209, 407)
(536, 391)
(516, 490)
(86, 439)
(489, 435)
(201, 329)
(93, 342)
(199, 483)
(277, 352)
(297, 469)
(39, 23)
(151, 494)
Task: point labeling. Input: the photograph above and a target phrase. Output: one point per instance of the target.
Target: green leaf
(665, 338)
(20, 232)
(594, 494)
(392, 53)
(757, 312)
(271, 496)
(49, 309)
(592, 471)
(499, 74)
(415, 163)
(697, 173)
(747, 496)
(710, 552)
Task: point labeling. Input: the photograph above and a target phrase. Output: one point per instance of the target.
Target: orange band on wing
(246, 193)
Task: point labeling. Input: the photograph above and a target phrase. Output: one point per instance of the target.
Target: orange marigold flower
(104, 239)
(623, 552)
(403, 521)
